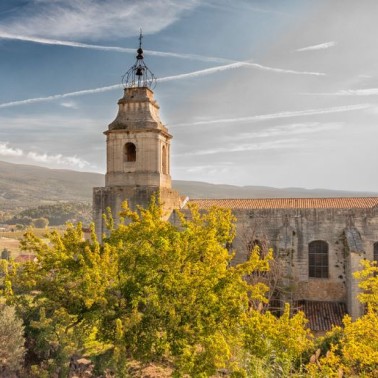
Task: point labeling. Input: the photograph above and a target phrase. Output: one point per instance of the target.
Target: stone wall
(289, 232)
(112, 197)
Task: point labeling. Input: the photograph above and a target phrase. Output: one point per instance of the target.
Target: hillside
(195, 189)
(27, 186)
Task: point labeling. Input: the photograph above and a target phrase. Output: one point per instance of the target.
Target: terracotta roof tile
(24, 258)
(323, 315)
(289, 203)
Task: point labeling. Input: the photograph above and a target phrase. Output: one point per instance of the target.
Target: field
(11, 240)
(10, 244)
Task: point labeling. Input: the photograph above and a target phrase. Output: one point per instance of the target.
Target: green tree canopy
(152, 291)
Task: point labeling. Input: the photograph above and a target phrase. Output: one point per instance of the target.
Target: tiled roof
(323, 315)
(24, 258)
(289, 203)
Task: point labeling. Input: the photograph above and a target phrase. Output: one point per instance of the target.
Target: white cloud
(59, 159)
(321, 46)
(5, 150)
(209, 168)
(50, 160)
(94, 19)
(69, 104)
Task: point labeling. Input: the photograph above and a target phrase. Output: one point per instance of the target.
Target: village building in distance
(320, 241)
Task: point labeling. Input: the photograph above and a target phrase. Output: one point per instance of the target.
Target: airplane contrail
(193, 74)
(288, 114)
(59, 96)
(321, 46)
(346, 92)
(46, 41)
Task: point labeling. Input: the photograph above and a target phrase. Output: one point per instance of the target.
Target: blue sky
(280, 93)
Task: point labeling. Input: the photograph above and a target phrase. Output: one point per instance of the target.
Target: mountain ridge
(25, 186)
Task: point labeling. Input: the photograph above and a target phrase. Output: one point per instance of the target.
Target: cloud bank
(94, 19)
(57, 160)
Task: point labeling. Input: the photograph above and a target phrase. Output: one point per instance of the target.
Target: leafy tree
(22, 220)
(152, 291)
(41, 222)
(57, 214)
(368, 278)
(181, 297)
(62, 295)
(6, 254)
(353, 349)
(11, 341)
(274, 346)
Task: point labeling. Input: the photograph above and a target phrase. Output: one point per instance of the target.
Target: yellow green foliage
(353, 349)
(274, 345)
(368, 278)
(153, 291)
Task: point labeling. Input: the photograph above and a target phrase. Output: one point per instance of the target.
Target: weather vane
(139, 74)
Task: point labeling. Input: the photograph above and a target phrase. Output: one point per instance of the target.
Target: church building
(320, 241)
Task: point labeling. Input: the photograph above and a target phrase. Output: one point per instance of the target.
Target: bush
(11, 341)
(41, 223)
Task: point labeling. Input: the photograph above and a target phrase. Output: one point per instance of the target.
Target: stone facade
(138, 159)
(320, 241)
(348, 226)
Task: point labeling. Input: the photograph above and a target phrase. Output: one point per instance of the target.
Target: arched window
(130, 152)
(164, 160)
(375, 253)
(318, 259)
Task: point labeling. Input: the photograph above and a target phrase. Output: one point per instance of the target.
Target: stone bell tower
(138, 150)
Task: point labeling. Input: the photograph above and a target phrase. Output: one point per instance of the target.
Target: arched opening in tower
(130, 152)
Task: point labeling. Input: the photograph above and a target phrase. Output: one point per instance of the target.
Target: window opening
(130, 152)
(318, 259)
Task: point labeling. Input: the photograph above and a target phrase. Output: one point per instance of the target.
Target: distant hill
(196, 189)
(28, 186)
(25, 186)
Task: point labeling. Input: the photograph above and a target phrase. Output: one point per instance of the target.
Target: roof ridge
(289, 203)
(278, 198)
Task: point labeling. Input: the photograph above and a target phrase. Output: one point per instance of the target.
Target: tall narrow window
(164, 160)
(130, 152)
(375, 253)
(318, 259)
